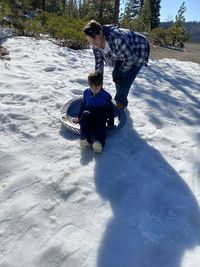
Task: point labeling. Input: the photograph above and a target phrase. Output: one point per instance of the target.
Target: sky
(136, 204)
(169, 9)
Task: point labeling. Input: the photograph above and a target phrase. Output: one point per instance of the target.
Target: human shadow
(156, 217)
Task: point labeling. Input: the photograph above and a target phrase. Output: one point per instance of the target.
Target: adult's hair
(95, 78)
(93, 28)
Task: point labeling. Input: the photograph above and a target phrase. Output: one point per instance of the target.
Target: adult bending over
(125, 50)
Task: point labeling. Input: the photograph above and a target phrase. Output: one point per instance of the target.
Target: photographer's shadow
(156, 217)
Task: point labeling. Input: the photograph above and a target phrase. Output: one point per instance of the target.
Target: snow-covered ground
(5, 33)
(136, 204)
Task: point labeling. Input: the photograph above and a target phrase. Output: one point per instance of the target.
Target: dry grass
(191, 53)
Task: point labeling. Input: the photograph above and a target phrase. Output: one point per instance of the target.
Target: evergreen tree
(36, 4)
(116, 11)
(146, 15)
(71, 8)
(43, 5)
(101, 10)
(180, 18)
(83, 9)
(176, 34)
(155, 13)
(5, 9)
(180, 34)
(132, 9)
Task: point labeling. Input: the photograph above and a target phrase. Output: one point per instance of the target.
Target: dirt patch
(191, 53)
(4, 53)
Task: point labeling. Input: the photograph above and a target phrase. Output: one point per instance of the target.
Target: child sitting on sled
(96, 112)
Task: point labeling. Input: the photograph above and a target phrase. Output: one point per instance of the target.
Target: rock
(3, 53)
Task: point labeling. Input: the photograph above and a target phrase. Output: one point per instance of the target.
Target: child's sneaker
(97, 147)
(84, 143)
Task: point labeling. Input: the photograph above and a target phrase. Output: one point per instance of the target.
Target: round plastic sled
(71, 110)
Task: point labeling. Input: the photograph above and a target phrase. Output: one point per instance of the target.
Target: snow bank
(5, 33)
(137, 204)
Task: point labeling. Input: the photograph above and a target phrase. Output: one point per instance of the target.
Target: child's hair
(95, 78)
(93, 28)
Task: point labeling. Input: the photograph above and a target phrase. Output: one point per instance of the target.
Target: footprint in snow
(80, 81)
(77, 92)
(50, 69)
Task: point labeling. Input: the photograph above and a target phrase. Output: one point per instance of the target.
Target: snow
(136, 204)
(5, 33)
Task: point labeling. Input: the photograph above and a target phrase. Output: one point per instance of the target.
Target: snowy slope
(136, 205)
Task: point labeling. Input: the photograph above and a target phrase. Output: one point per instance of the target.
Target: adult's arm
(99, 60)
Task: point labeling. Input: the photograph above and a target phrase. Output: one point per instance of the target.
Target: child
(96, 111)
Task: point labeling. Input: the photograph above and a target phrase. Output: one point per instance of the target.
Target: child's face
(95, 88)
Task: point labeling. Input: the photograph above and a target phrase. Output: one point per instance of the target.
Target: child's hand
(75, 120)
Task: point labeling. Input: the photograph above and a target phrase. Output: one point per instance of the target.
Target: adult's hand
(117, 74)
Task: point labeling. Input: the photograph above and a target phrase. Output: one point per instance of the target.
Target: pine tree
(178, 29)
(180, 18)
(116, 11)
(43, 5)
(132, 9)
(176, 34)
(155, 13)
(101, 10)
(83, 9)
(36, 3)
(72, 8)
(146, 15)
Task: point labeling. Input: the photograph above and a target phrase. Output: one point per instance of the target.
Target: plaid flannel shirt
(129, 47)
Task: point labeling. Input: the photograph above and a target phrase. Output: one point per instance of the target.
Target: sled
(71, 110)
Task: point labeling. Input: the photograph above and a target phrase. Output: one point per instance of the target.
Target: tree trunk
(116, 11)
(101, 9)
(43, 5)
(53, 5)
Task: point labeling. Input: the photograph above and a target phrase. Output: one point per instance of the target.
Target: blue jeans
(93, 126)
(124, 85)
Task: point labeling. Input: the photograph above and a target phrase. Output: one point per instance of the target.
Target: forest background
(64, 20)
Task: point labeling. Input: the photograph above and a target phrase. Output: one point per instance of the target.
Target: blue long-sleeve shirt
(100, 102)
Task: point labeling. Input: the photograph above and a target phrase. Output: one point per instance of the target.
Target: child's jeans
(93, 126)
(124, 84)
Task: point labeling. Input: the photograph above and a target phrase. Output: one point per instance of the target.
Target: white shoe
(84, 143)
(97, 147)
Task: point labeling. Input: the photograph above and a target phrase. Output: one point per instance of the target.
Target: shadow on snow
(156, 217)
(163, 90)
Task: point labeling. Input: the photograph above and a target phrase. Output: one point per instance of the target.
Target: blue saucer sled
(71, 110)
